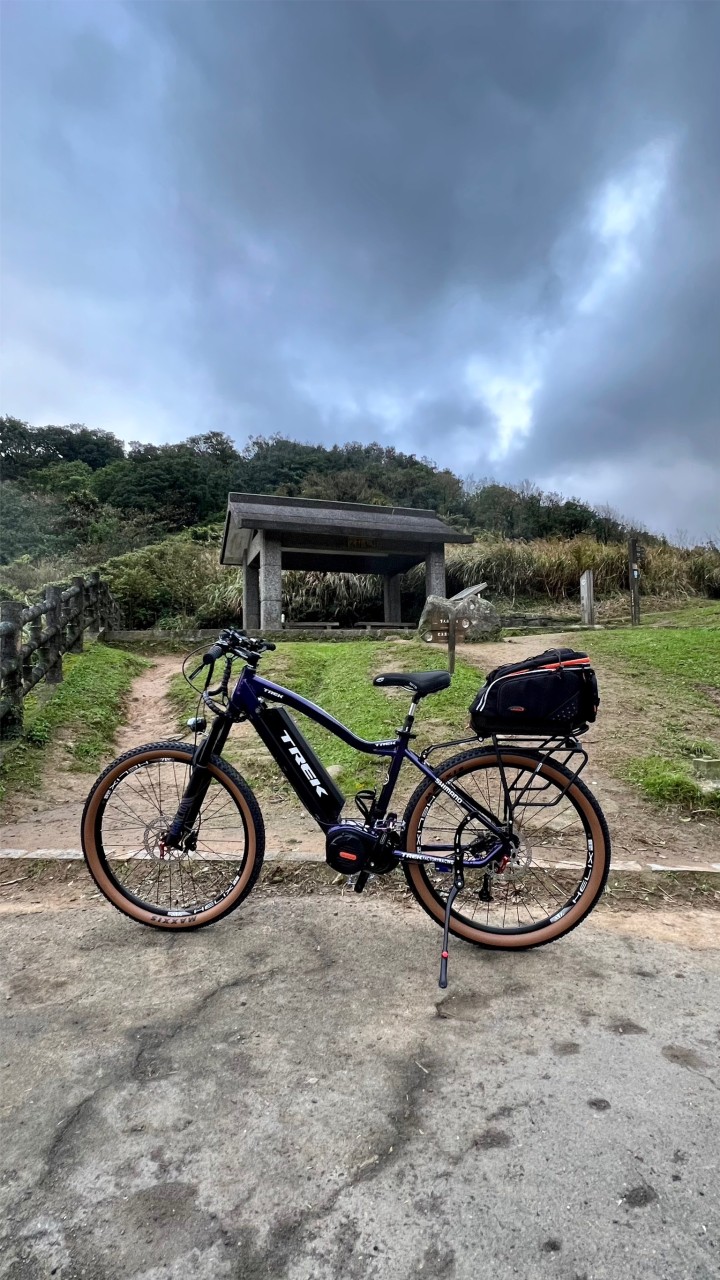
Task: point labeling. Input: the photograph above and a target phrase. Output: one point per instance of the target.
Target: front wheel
(126, 815)
(561, 852)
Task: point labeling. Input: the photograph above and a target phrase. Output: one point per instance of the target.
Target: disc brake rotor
(154, 842)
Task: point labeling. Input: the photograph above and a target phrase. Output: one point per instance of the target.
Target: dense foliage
(180, 579)
(74, 497)
(77, 487)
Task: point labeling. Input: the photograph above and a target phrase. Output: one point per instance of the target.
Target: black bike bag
(555, 692)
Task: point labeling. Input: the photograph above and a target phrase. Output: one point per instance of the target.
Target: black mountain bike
(501, 844)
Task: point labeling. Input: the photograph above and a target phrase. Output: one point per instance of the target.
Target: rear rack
(561, 747)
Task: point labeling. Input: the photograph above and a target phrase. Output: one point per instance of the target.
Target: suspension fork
(194, 794)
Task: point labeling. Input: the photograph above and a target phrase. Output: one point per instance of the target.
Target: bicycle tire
(598, 851)
(250, 863)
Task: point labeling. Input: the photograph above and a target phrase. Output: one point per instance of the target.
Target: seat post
(410, 718)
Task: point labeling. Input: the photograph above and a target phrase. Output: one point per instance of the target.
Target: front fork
(188, 810)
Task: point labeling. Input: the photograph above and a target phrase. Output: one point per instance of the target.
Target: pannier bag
(553, 693)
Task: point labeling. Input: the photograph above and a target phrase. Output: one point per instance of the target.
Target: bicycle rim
(131, 806)
(559, 868)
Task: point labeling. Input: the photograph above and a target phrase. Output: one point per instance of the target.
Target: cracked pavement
(288, 1096)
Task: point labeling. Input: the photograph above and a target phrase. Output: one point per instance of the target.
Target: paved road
(290, 1096)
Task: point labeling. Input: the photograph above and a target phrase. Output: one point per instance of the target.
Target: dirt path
(641, 831)
(51, 818)
(48, 821)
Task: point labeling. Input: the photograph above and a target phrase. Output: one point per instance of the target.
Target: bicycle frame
(250, 700)
(307, 775)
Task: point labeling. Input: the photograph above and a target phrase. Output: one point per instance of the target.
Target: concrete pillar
(251, 593)
(270, 584)
(435, 572)
(391, 597)
(587, 599)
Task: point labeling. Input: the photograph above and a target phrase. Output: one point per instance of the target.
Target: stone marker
(475, 619)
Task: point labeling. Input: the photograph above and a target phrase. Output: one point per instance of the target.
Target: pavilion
(268, 533)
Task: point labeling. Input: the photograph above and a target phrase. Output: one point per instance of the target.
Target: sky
(483, 233)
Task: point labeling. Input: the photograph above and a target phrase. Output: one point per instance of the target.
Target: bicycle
(502, 844)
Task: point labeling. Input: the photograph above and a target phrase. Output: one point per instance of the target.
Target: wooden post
(587, 599)
(103, 611)
(634, 572)
(52, 649)
(35, 655)
(76, 626)
(93, 600)
(451, 638)
(10, 667)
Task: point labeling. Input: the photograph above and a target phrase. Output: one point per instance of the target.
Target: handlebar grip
(213, 654)
(269, 645)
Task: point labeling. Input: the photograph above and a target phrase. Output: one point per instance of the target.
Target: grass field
(693, 613)
(680, 670)
(85, 710)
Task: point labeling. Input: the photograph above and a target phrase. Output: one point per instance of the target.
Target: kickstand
(458, 884)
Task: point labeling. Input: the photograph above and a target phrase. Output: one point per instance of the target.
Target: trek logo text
(300, 760)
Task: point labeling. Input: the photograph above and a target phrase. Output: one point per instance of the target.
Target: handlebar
(235, 644)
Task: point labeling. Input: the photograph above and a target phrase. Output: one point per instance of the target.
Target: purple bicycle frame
(250, 699)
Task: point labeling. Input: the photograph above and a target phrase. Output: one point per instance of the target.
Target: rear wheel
(559, 866)
(126, 814)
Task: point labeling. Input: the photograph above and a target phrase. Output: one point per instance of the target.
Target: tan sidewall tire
(110, 889)
(534, 938)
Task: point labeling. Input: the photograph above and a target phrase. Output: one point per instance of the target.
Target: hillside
(73, 498)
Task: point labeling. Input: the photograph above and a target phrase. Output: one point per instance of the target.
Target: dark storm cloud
(482, 232)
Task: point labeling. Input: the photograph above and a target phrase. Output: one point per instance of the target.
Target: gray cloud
(482, 232)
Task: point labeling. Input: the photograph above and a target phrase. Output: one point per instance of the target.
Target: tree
(24, 448)
(19, 450)
(60, 477)
(78, 443)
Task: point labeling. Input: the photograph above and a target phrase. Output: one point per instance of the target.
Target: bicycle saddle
(421, 682)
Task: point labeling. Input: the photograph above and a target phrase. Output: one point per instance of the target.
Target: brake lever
(222, 688)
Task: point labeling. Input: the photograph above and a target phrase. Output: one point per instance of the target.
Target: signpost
(635, 555)
(587, 599)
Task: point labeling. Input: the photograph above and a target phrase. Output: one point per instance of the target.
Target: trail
(50, 819)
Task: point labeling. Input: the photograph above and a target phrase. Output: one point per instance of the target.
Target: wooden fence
(31, 652)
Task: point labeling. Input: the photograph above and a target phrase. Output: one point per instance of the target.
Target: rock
(434, 616)
(475, 618)
(707, 769)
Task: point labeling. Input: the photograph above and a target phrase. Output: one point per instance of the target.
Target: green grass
(338, 677)
(696, 613)
(669, 783)
(680, 670)
(690, 655)
(87, 708)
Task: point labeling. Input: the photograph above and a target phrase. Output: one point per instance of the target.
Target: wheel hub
(155, 845)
